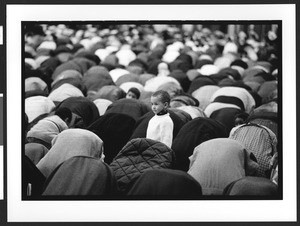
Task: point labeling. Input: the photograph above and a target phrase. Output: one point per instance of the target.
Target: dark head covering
(79, 64)
(191, 135)
(83, 107)
(266, 89)
(140, 63)
(239, 63)
(202, 62)
(199, 82)
(81, 175)
(49, 66)
(32, 175)
(230, 72)
(226, 116)
(33, 93)
(153, 66)
(97, 77)
(251, 186)
(181, 64)
(166, 183)
(114, 130)
(182, 78)
(127, 78)
(132, 107)
(108, 92)
(89, 55)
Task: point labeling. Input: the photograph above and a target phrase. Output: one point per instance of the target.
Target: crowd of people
(149, 111)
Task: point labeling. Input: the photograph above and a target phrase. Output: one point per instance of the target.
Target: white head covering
(163, 69)
(125, 55)
(170, 56)
(47, 45)
(70, 143)
(34, 83)
(65, 91)
(31, 62)
(117, 73)
(102, 105)
(230, 47)
(87, 43)
(152, 84)
(222, 62)
(102, 53)
(208, 69)
(204, 94)
(38, 105)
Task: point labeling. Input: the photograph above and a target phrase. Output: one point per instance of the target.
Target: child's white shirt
(160, 128)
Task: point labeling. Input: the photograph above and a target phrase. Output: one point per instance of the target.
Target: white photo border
(143, 211)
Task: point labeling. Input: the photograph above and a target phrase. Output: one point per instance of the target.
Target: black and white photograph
(149, 110)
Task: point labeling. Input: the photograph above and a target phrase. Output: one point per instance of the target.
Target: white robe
(160, 128)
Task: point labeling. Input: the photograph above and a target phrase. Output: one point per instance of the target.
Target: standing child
(160, 126)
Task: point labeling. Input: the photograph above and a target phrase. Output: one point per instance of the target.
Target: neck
(162, 112)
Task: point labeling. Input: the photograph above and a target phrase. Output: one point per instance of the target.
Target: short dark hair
(164, 96)
(243, 116)
(64, 113)
(135, 91)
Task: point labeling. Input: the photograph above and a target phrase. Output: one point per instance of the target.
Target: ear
(166, 105)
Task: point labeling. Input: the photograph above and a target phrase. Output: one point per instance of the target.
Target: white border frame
(273, 210)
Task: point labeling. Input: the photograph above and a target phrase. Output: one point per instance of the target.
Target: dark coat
(251, 186)
(199, 82)
(226, 116)
(166, 184)
(191, 135)
(131, 107)
(138, 156)
(114, 129)
(83, 107)
(32, 175)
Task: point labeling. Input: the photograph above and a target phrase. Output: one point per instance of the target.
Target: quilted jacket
(138, 156)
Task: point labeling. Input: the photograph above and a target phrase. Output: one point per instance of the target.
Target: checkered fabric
(259, 140)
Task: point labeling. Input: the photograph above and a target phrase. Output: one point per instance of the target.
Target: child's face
(131, 95)
(158, 105)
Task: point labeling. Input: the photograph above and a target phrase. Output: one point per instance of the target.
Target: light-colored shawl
(65, 91)
(70, 143)
(38, 105)
(34, 83)
(218, 162)
(48, 128)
